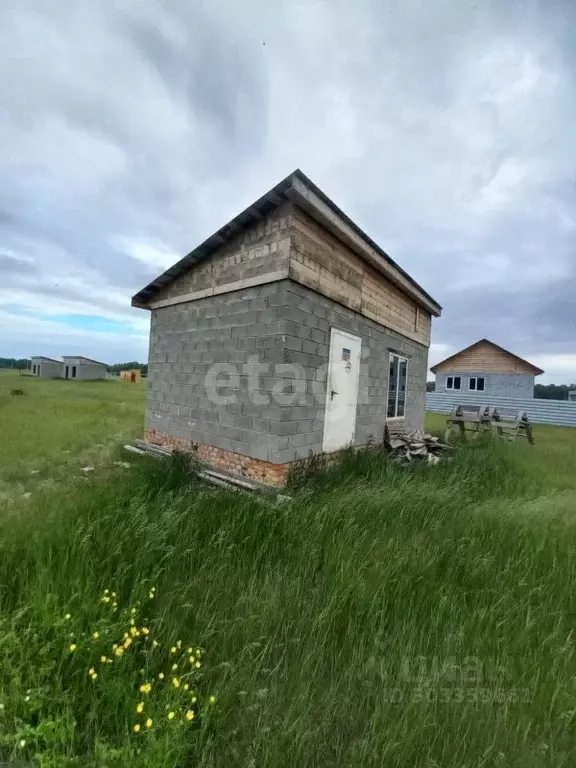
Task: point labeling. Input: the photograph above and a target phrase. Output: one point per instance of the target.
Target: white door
(341, 390)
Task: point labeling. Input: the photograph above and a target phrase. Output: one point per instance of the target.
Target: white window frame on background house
(398, 398)
(476, 379)
(451, 382)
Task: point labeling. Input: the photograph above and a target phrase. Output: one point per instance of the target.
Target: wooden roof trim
(298, 188)
(537, 371)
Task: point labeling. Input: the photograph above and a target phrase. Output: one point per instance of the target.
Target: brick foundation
(256, 469)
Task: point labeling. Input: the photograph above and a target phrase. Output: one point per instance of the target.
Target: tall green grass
(383, 617)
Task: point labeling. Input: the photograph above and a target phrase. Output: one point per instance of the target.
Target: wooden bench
(506, 423)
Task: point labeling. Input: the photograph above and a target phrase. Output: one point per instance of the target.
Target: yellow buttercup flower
(73, 647)
(190, 715)
(171, 715)
(119, 651)
(140, 707)
(174, 667)
(149, 723)
(105, 599)
(197, 665)
(212, 699)
(91, 671)
(161, 676)
(186, 686)
(136, 728)
(103, 659)
(175, 682)
(68, 617)
(96, 635)
(173, 649)
(94, 676)
(193, 699)
(145, 688)
(155, 643)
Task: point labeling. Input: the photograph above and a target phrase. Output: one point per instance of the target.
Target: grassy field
(58, 426)
(418, 617)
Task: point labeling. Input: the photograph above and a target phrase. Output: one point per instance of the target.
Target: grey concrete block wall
(50, 370)
(495, 384)
(282, 328)
(84, 369)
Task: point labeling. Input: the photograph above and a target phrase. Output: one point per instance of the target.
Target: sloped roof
(301, 190)
(47, 359)
(81, 357)
(537, 371)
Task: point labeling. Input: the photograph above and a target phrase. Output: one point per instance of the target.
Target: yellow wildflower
(105, 599)
(134, 632)
(193, 699)
(171, 715)
(145, 688)
(192, 660)
(190, 715)
(145, 631)
(140, 707)
(197, 665)
(190, 650)
(149, 723)
(73, 647)
(106, 591)
(132, 622)
(155, 643)
(179, 643)
(94, 676)
(68, 617)
(132, 610)
(174, 667)
(175, 682)
(128, 642)
(161, 676)
(119, 651)
(96, 635)
(212, 699)
(103, 659)
(114, 594)
(186, 686)
(136, 728)
(91, 671)
(173, 649)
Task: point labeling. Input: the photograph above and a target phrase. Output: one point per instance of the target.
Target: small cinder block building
(288, 332)
(45, 367)
(487, 369)
(78, 367)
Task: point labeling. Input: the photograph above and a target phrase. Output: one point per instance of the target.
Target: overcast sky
(130, 131)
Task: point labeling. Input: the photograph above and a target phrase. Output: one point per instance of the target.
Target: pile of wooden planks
(414, 446)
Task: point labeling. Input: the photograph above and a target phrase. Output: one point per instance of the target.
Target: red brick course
(256, 469)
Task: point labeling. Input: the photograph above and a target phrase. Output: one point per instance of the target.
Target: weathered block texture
(254, 254)
(245, 372)
(495, 384)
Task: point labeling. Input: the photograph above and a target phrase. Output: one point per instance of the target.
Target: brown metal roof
(290, 188)
(537, 371)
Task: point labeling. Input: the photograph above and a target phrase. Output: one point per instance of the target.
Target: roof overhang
(300, 190)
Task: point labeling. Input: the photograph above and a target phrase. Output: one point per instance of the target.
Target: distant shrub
(17, 391)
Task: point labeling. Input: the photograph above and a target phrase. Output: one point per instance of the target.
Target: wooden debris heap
(414, 446)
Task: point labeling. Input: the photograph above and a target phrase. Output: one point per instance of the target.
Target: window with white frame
(397, 383)
(453, 382)
(476, 383)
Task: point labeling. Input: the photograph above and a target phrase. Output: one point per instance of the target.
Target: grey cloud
(445, 130)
